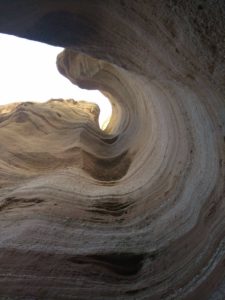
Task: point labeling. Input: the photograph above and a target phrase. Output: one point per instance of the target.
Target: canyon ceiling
(136, 211)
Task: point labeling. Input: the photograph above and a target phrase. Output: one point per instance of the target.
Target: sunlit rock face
(137, 211)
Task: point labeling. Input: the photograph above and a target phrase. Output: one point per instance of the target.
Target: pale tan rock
(137, 211)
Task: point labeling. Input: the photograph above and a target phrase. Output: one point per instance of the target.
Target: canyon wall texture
(136, 211)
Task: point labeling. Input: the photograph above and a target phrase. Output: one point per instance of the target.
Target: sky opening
(28, 72)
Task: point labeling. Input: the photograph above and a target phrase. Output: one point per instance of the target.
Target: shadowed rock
(136, 211)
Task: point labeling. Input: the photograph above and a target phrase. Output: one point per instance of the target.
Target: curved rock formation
(137, 211)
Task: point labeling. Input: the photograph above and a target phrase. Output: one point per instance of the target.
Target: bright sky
(28, 72)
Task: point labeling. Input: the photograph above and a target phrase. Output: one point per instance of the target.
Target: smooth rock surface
(136, 211)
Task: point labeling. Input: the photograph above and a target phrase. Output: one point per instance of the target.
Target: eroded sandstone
(136, 211)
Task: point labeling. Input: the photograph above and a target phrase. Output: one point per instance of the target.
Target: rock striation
(136, 211)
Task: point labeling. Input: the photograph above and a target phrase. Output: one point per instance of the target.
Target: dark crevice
(113, 208)
(110, 140)
(19, 202)
(106, 169)
(122, 264)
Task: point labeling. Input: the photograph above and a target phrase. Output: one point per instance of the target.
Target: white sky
(28, 72)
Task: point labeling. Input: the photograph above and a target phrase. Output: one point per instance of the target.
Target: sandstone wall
(137, 211)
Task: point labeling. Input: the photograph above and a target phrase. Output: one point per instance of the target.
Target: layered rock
(136, 211)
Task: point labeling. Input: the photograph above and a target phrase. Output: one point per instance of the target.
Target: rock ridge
(135, 211)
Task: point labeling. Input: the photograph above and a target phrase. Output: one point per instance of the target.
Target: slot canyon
(135, 211)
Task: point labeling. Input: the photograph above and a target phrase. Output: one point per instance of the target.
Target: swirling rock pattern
(137, 211)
